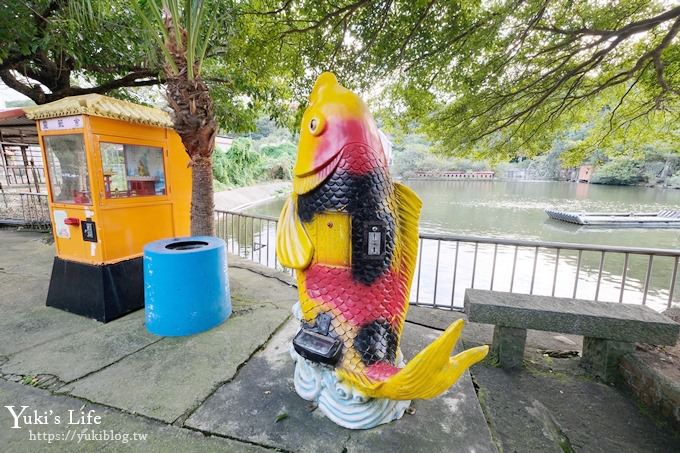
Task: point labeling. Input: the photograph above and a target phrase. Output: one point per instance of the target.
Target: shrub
(622, 172)
(240, 165)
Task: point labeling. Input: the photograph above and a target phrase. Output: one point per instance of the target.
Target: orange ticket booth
(118, 178)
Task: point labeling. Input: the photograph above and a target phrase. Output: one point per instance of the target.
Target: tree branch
(350, 9)
(39, 96)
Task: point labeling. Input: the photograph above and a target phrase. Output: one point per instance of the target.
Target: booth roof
(99, 105)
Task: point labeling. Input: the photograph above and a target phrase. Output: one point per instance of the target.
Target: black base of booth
(104, 292)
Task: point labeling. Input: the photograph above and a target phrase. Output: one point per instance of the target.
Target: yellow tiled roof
(99, 105)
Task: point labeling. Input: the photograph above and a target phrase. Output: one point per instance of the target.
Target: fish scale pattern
(376, 342)
(367, 319)
(362, 187)
(367, 301)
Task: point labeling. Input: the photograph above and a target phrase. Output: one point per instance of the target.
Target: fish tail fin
(428, 374)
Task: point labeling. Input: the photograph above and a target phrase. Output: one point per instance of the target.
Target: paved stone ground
(452, 421)
(224, 389)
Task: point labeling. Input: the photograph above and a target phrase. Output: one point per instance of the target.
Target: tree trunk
(202, 201)
(194, 120)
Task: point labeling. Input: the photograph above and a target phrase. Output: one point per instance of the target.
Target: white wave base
(338, 401)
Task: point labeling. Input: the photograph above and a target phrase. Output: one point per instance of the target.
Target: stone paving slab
(546, 410)
(25, 321)
(32, 326)
(160, 438)
(94, 349)
(247, 409)
(171, 377)
(27, 253)
(16, 288)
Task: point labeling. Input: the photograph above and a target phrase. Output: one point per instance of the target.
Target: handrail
(552, 245)
(564, 270)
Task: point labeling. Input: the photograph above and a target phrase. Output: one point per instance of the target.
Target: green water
(515, 210)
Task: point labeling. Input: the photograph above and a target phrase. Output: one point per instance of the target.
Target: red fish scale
(356, 160)
(381, 371)
(358, 303)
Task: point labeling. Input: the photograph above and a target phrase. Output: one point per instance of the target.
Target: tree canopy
(46, 45)
(490, 79)
(504, 77)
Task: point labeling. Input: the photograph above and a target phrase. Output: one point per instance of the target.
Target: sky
(8, 94)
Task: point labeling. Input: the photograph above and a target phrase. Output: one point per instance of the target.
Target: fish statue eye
(316, 126)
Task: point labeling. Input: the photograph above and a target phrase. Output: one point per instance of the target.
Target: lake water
(515, 210)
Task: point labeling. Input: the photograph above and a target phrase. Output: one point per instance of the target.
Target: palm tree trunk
(202, 201)
(194, 121)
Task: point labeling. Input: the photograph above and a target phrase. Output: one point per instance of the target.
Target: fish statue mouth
(311, 180)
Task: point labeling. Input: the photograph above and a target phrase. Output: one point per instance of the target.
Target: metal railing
(449, 264)
(29, 210)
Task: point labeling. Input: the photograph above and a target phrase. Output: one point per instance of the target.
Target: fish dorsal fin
(408, 206)
(294, 249)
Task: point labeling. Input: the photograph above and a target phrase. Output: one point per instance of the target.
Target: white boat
(660, 219)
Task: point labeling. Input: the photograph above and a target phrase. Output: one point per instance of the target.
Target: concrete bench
(609, 330)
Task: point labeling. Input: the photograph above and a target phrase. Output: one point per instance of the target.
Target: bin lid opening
(186, 245)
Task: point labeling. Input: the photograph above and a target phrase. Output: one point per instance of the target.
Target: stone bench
(609, 330)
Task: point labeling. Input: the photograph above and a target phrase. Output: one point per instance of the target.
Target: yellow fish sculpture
(351, 233)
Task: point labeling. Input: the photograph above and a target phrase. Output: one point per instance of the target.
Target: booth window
(132, 170)
(67, 165)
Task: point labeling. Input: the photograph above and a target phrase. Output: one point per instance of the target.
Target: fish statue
(351, 234)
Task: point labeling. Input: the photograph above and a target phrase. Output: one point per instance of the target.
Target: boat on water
(660, 219)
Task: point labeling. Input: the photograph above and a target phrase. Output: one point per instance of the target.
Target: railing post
(420, 262)
(599, 276)
(623, 277)
(647, 279)
(455, 269)
(533, 271)
(514, 266)
(578, 268)
(557, 262)
(436, 275)
(493, 266)
(474, 266)
(673, 277)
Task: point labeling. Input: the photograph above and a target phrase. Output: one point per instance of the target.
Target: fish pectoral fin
(294, 248)
(428, 374)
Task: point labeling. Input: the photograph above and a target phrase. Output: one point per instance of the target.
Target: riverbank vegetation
(267, 153)
(412, 153)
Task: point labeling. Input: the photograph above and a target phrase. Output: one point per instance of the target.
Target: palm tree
(181, 31)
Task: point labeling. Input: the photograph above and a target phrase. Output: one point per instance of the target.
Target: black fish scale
(376, 342)
(366, 198)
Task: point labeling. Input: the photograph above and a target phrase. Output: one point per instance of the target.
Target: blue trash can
(186, 285)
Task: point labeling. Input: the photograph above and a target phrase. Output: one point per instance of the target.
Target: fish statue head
(334, 118)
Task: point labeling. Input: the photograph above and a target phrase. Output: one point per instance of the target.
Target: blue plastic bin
(186, 285)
